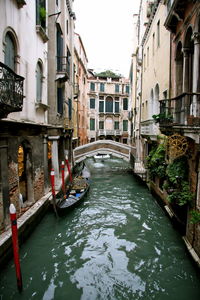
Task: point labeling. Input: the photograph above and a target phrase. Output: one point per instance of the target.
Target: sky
(106, 29)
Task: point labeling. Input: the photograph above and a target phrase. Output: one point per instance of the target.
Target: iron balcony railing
(181, 110)
(11, 91)
(63, 65)
(109, 132)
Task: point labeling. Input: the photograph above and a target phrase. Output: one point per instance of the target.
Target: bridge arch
(116, 149)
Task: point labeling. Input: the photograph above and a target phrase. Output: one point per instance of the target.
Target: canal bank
(26, 224)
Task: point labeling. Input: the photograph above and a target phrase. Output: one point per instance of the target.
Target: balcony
(149, 128)
(11, 91)
(184, 112)
(63, 68)
(176, 10)
(105, 132)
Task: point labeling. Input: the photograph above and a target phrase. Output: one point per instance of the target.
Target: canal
(118, 244)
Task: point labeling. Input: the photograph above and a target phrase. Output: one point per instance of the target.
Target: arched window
(179, 69)
(39, 76)
(10, 51)
(109, 105)
(157, 91)
(151, 104)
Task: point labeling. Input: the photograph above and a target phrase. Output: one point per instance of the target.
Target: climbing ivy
(156, 162)
(195, 216)
(177, 184)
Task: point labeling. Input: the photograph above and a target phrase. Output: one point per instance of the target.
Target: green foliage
(177, 185)
(178, 170)
(43, 13)
(163, 116)
(108, 73)
(156, 162)
(195, 217)
(182, 195)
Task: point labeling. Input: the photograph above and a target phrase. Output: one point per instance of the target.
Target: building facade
(183, 22)
(36, 98)
(60, 81)
(109, 107)
(23, 119)
(81, 89)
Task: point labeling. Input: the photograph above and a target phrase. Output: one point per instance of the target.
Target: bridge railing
(106, 147)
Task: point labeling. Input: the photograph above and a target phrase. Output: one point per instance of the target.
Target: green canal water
(118, 244)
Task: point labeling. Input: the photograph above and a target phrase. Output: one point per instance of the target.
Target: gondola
(76, 191)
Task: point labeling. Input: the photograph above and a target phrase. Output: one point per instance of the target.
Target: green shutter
(101, 106)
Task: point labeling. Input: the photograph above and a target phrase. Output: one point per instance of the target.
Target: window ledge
(40, 30)
(41, 106)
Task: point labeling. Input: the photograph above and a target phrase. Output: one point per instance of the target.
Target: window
(70, 108)
(92, 124)
(59, 49)
(127, 89)
(101, 106)
(109, 105)
(41, 13)
(116, 125)
(158, 34)
(125, 104)
(67, 25)
(39, 82)
(102, 87)
(153, 44)
(116, 106)
(144, 62)
(92, 86)
(125, 125)
(101, 124)
(92, 103)
(116, 88)
(60, 100)
(9, 58)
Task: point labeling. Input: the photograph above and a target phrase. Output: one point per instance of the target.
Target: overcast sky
(106, 29)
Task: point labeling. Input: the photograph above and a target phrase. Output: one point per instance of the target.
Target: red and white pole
(53, 182)
(63, 176)
(69, 170)
(53, 190)
(13, 219)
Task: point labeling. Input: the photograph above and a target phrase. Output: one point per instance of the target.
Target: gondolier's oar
(69, 170)
(13, 219)
(53, 191)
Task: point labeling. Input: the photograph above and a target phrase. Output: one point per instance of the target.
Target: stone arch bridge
(116, 149)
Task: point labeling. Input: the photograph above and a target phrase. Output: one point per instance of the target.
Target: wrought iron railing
(109, 132)
(181, 110)
(11, 91)
(63, 65)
